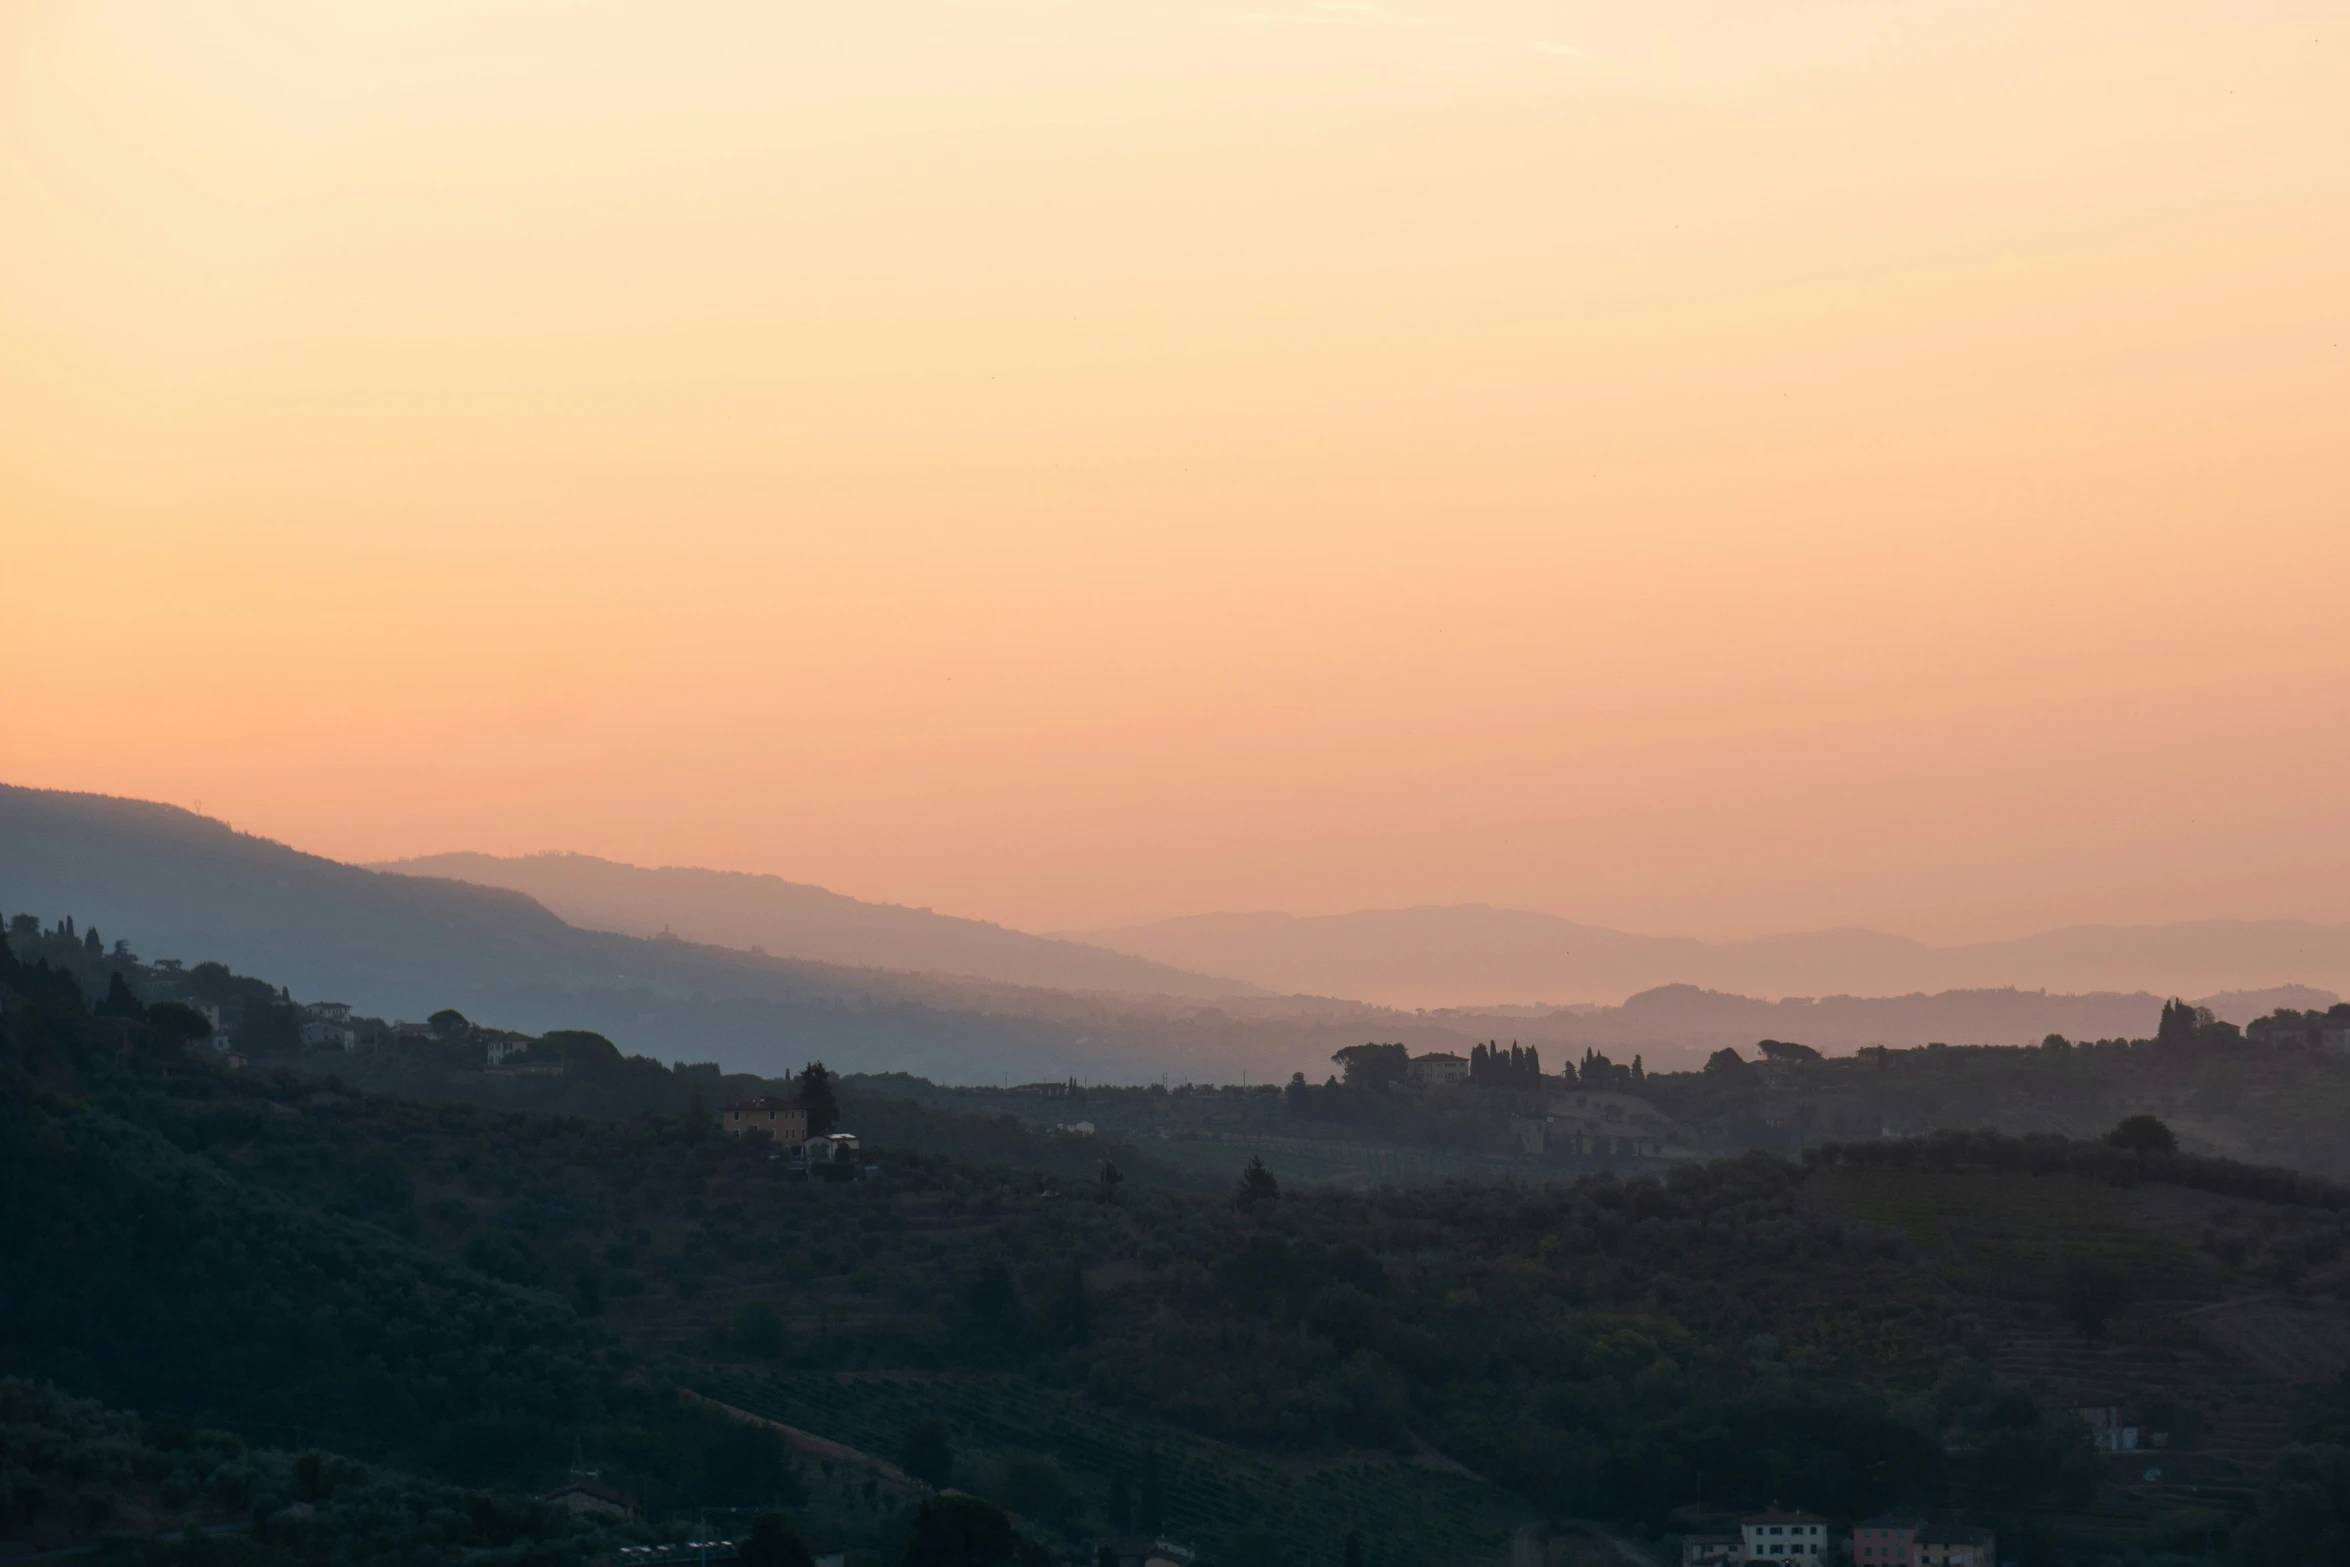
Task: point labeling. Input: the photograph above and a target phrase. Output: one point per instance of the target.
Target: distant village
(1802, 1538)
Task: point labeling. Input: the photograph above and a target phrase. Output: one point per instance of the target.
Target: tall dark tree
(449, 1023)
(119, 1002)
(960, 1531)
(817, 1096)
(2143, 1134)
(774, 1543)
(1257, 1184)
(175, 1022)
(1121, 1503)
(2178, 1022)
(927, 1455)
(697, 1116)
(1150, 1516)
(92, 945)
(1069, 1310)
(2089, 1294)
(1374, 1066)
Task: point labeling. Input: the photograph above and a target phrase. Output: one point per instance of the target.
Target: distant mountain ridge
(794, 920)
(185, 886)
(1474, 954)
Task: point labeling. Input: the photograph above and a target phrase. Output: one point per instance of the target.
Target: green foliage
(959, 1531)
(2143, 1134)
(2090, 1293)
(70, 1468)
(1029, 1483)
(1376, 1067)
(2303, 1511)
(927, 1455)
(1150, 1512)
(820, 1099)
(416, 1283)
(1257, 1184)
(773, 1542)
(2044, 1153)
(579, 1049)
(758, 1330)
(175, 1022)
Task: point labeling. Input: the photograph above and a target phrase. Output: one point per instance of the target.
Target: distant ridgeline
(364, 1325)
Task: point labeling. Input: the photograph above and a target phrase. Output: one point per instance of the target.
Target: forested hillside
(469, 1296)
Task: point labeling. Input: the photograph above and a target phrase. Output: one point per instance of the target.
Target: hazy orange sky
(1710, 466)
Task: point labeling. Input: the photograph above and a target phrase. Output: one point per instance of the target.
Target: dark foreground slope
(477, 1296)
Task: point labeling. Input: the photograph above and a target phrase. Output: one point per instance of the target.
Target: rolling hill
(181, 885)
(790, 919)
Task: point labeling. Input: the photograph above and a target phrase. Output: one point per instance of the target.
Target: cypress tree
(1152, 1514)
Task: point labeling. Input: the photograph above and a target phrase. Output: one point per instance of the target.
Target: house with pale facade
(786, 1120)
(1438, 1067)
(1776, 1536)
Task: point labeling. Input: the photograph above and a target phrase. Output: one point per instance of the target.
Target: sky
(1703, 466)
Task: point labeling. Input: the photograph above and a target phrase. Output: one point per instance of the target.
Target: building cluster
(1795, 1539)
(2327, 1031)
(1600, 1123)
(786, 1121)
(327, 1024)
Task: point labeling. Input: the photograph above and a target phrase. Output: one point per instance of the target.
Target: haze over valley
(755, 972)
(1323, 783)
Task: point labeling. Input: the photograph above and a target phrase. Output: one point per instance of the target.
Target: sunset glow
(1692, 467)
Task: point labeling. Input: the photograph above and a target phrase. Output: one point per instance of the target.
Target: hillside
(732, 909)
(187, 887)
(1909, 1322)
(1476, 955)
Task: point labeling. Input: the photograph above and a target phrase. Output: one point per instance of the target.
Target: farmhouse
(786, 1120)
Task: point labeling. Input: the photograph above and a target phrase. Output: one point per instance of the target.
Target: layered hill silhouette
(181, 885)
(1474, 954)
(403, 945)
(734, 909)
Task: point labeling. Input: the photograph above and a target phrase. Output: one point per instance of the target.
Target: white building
(1775, 1536)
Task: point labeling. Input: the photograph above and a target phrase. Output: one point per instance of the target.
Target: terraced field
(2223, 1347)
(1225, 1502)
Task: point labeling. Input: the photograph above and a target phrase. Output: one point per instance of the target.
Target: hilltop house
(1438, 1066)
(1597, 1123)
(498, 1045)
(786, 1120)
(329, 1023)
(1776, 1536)
(2328, 1031)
